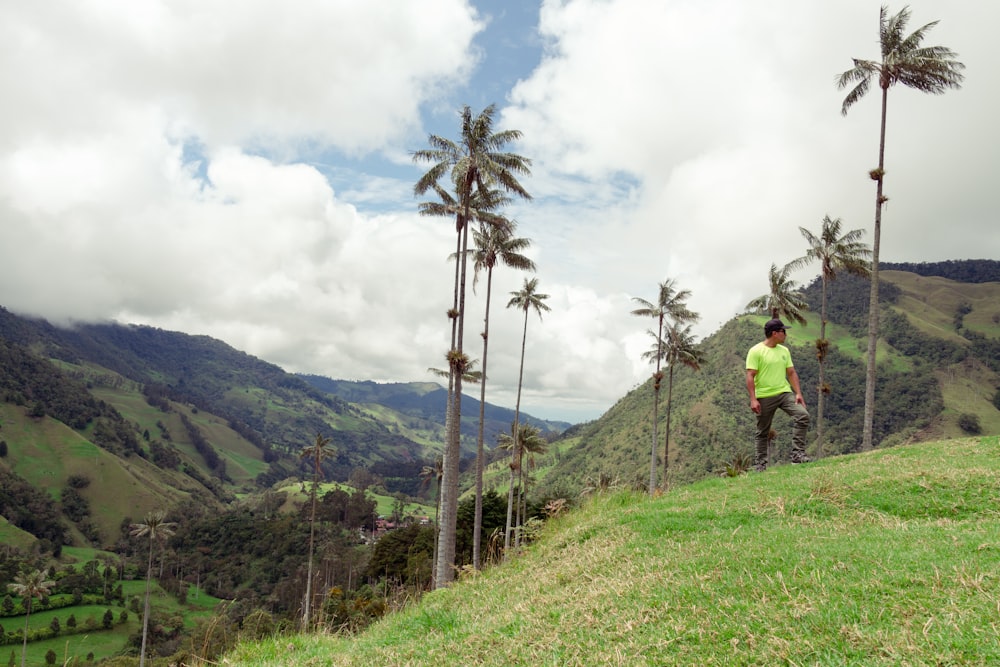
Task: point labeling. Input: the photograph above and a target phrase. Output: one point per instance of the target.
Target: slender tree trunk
(666, 440)
(866, 442)
(825, 347)
(145, 611)
(309, 565)
(477, 529)
(27, 615)
(656, 408)
(517, 437)
(449, 485)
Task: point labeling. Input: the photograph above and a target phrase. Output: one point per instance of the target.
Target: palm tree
(930, 69)
(678, 348)
(526, 299)
(432, 475)
(28, 586)
(318, 452)
(528, 439)
(784, 298)
(475, 163)
(158, 530)
(670, 304)
(494, 244)
(835, 252)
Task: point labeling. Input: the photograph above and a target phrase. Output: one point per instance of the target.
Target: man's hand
(755, 406)
(798, 399)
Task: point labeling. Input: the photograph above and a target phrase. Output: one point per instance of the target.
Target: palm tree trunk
(27, 615)
(145, 611)
(822, 361)
(656, 407)
(477, 528)
(449, 485)
(666, 440)
(517, 436)
(510, 511)
(309, 565)
(866, 442)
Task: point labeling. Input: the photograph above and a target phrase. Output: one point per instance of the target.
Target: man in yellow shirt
(771, 381)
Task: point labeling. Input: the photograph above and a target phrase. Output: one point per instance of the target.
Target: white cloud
(244, 173)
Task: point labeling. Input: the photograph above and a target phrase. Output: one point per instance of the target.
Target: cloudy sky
(243, 170)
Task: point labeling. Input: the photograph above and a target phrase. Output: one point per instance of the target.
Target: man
(771, 381)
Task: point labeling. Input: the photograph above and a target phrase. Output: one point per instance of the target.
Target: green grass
(885, 558)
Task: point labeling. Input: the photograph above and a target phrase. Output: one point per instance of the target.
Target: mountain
(141, 418)
(939, 377)
(419, 402)
(106, 421)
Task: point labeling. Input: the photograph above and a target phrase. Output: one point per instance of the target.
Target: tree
(528, 298)
(432, 475)
(931, 69)
(318, 452)
(158, 530)
(834, 252)
(784, 298)
(494, 244)
(526, 439)
(670, 305)
(28, 586)
(476, 163)
(678, 348)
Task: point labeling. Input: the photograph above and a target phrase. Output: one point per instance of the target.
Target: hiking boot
(800, 458)
(760, 467)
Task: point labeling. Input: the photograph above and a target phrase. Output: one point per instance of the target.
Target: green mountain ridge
(192, 418)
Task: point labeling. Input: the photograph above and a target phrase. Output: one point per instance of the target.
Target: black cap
(774, 325)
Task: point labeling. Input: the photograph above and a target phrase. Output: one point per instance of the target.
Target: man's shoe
(801, 458)
(760, 467)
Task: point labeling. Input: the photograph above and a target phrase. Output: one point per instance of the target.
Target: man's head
(773, 327)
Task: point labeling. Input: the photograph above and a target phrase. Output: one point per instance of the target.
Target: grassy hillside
(884, 558)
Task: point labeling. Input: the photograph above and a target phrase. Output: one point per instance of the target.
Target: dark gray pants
(800, 424)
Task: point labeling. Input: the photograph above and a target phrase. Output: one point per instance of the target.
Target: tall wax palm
(929, 69)
(495, 244)
(784, 299)
(475, 163)
(670, 305)
(316, 453)
(528, 298)
(835, 252)
(678, 349)
(158, 530)
(28, 586)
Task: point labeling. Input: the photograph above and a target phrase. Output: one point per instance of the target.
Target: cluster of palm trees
(673, 344)
(483, 181)
(903, 60)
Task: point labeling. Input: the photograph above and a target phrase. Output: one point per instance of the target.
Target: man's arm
(793, 379)
(752, 390)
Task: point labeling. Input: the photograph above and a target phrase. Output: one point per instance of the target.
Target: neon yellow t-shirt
(771, 364)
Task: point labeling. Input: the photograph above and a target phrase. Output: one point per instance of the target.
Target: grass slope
(48, 452)
(883, 558)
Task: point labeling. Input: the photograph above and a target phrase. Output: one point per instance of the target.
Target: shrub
(969, 423)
